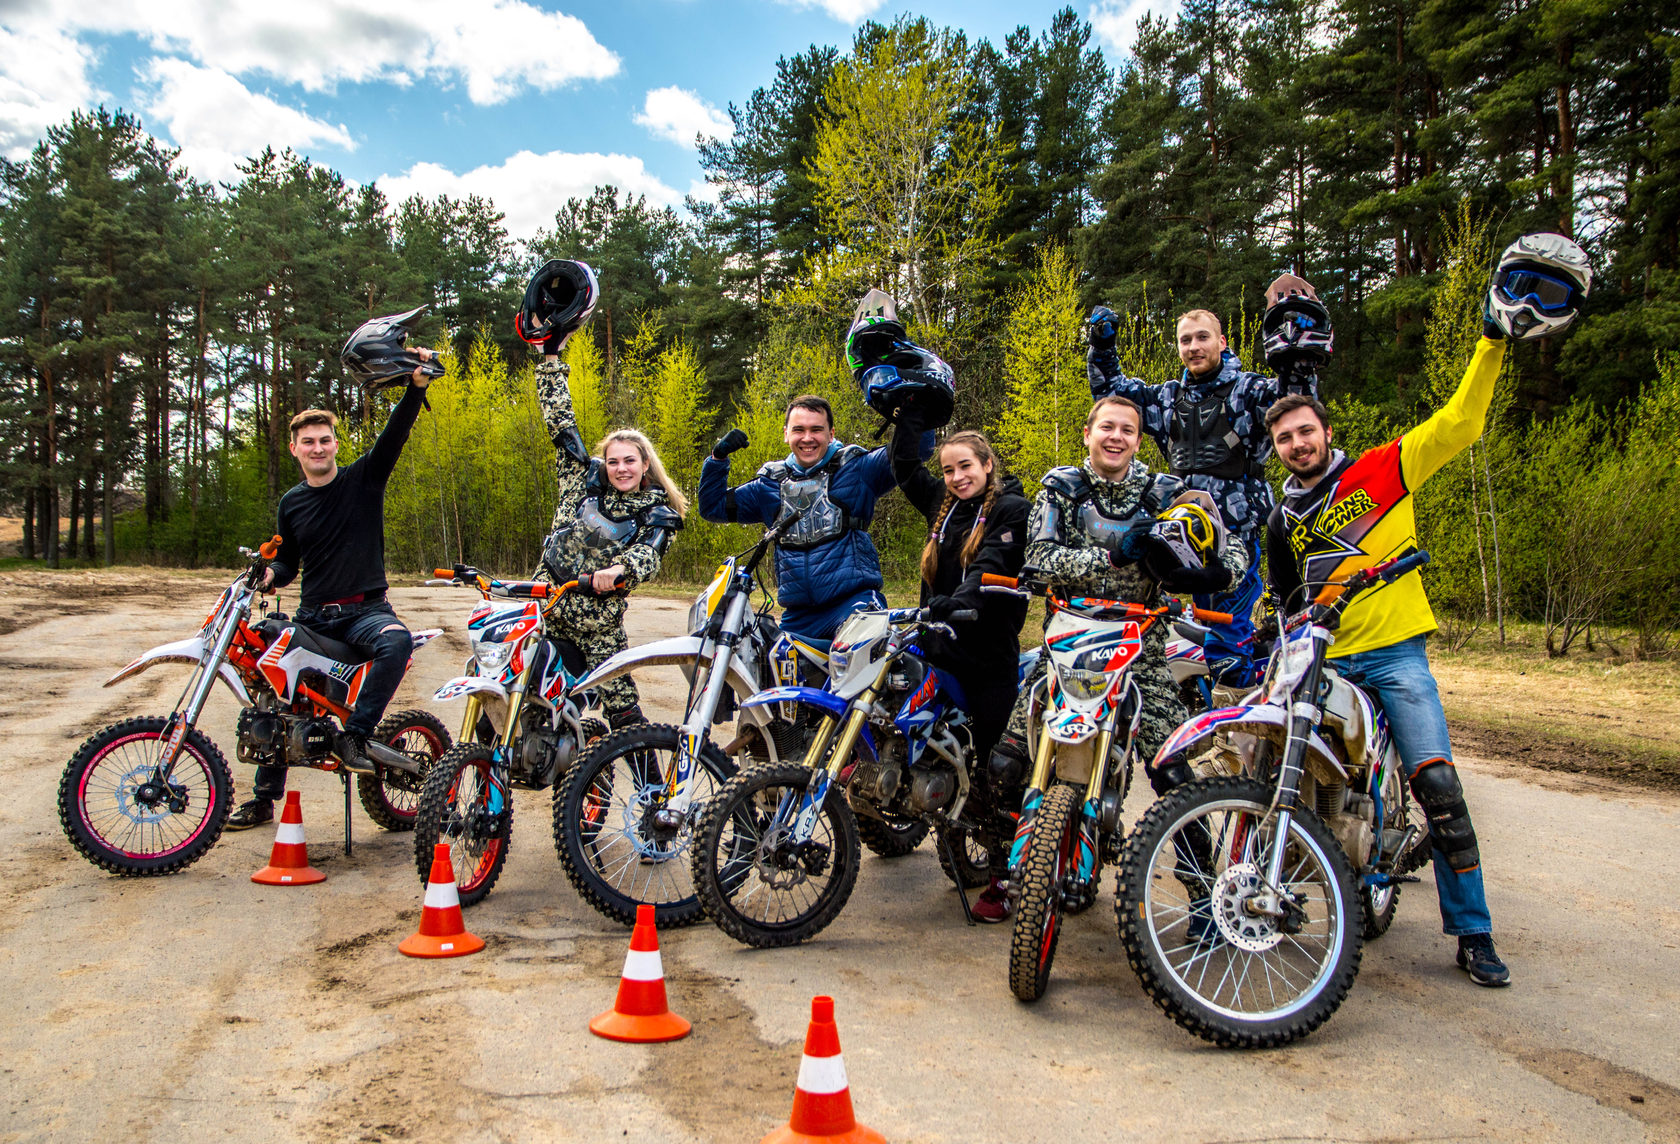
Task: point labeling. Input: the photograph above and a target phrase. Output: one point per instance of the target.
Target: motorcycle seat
(312, 641)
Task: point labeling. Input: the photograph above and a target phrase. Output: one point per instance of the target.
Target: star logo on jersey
(1318, 533)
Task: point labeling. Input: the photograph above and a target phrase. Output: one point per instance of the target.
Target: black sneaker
(249, 814)
(1477, 958)
(351, 749)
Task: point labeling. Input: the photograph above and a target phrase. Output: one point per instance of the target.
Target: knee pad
(628, 717)
(1438, 791)
(1008, 764)
(1174, 772)
(393, 642)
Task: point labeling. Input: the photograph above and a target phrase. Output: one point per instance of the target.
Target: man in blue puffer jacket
(826, 565)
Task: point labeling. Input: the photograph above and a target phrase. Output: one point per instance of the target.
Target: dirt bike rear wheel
(973, 868)
(457, 807)
(757, 891)
(392, 797)
(890, 839)
(1038, 912)
(115, 820)
(1238, 979)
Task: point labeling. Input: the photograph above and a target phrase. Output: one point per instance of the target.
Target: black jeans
(362, 626)
(990, 692)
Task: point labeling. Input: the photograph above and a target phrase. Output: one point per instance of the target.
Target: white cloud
(678, 115)
(217, 122)
(43, 78)
(846, 11)
(529, 188)
(1115, 21)
(494, 47)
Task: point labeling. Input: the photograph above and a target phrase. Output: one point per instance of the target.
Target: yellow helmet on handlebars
(1189, 532)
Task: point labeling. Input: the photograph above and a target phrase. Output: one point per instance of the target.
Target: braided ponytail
(936, 533)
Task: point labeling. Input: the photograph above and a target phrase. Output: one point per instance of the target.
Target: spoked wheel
(392, 797)
(606, 827)
(1378, 903)
(1038, 913)
(462, 806)
(1192, 906)
(117, 813)
(972, 852)
(1422, 849)
(757, 884)
(891, 839)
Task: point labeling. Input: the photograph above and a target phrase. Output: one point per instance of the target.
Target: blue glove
(1102, 326)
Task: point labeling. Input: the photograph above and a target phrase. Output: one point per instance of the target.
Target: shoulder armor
(846, 454)
(595, 481)
(776, 471)
(661, 516)
(1069, 480)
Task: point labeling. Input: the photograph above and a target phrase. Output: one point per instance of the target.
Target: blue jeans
(1398, 676)
(1235, 640)
(821, 622)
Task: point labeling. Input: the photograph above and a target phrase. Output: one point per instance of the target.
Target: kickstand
(951, 857)
(345, 775)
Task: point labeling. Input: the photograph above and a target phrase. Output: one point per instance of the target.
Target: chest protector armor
(821, 519)
(1104, 529)
(1200, 438)
(592, 537)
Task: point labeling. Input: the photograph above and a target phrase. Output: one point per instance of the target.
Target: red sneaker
(992, 905)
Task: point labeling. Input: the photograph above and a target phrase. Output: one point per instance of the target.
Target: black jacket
(992, 641)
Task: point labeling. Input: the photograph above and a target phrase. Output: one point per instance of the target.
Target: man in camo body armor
(1208, 424)
(1081, 520)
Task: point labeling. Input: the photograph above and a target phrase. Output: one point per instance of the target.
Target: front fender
(824, 701)
(1263, 721)
(189, 651)
(468, 684)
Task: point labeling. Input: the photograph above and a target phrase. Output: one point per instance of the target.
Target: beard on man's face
(1309, 468)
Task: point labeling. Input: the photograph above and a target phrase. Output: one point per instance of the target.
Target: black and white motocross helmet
(890, 369)
(1540, 285)
(377, 354)
(1296, 329)
(560, 298)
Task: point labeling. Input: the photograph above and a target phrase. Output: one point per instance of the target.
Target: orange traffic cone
(822, 1103)
(288, 862)
(641, 1014)
(441, 932)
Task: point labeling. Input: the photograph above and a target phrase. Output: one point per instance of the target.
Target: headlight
(1083, 685)
(1294, 657)
(837, 661)
(492, 657)
(697, 614)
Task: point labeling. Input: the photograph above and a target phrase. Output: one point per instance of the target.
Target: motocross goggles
(1546, 293)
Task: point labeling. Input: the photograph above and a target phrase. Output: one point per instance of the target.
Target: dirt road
(204, 1006)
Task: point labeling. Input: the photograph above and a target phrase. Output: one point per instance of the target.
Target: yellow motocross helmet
(1189, 532)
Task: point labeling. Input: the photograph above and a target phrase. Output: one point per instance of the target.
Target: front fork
(1089, 824)
(691, 736)
(824, 776)
(183, 721)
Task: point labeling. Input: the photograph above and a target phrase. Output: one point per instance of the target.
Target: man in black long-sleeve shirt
(332, 529)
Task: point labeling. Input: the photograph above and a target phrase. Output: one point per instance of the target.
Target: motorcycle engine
(932, 787)
(309, 738)
(879, 781)
(261, 736)
(539, 759)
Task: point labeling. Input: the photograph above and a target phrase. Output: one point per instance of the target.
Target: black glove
(1490, 328)
(942, 608)
(1132, 545)
(1103, 326)
(912, 418)
(554, 343)
(1175, 577)
(729, 443)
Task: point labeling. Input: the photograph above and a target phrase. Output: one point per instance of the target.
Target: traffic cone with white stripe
(441, 933)
(822, 1102)
(288, 862)
(641, 1014)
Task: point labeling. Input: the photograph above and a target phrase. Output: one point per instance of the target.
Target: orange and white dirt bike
(151, 795)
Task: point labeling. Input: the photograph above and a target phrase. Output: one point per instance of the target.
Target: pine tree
(1042, 421)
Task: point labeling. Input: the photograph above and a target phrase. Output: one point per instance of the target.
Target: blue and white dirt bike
(776, 852)
(1244, 895)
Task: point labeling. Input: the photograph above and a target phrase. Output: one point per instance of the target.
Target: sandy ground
(202, 1005)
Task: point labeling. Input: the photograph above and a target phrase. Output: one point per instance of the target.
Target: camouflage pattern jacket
(578, 478)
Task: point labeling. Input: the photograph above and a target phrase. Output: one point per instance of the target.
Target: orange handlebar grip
(1213, 617)
(993, 580)
(539, 591)
(444, 573)
(270, 548)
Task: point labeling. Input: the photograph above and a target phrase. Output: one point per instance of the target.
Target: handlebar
(1338, 594)
(467, 575)
(965, 616)
(270, 548)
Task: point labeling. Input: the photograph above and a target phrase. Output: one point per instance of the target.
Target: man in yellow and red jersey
(1341, 514)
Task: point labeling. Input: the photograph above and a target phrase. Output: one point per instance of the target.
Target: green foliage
(588, 388)
(1042, 423)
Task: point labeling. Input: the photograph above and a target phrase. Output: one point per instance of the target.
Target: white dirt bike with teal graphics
(624, 815)
(524, 726)
(1245, 895)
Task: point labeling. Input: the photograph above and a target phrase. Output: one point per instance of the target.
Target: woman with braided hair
(977, 523)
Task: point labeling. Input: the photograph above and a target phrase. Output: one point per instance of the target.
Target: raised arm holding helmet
(1340, 514)
(1096, 530)
(616, 512)
(1208, 423)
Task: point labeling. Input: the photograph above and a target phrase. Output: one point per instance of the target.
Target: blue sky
(526, 101)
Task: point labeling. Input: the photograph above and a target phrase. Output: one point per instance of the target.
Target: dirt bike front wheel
(120, 818)
(462, 805)
(1038, 912)
(1190, 875)
(759, 886)
(392, 797)
(610, 842)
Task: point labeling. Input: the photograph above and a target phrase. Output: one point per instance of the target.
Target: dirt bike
(524, 726)
(151, 795)
(1086, 714)
(1238, 891)
(624, 815)
(777, 851)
